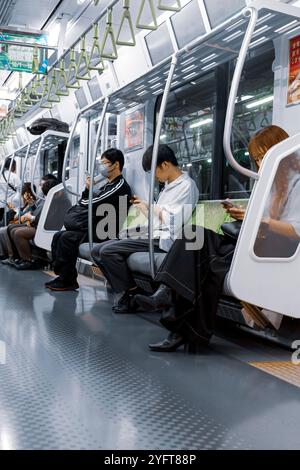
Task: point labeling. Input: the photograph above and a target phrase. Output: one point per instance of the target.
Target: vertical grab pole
(66, 156)
(34, 168)
(154, 162)
(94, 156)
(22, 181)
(6, 190)
(233, 95)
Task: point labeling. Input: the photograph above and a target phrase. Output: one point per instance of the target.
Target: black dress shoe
(25, 265)
(162, 298)
(124, 304)
(171, 344)
(59, 285)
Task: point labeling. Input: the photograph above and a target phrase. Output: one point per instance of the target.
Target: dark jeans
(197, 277)
(65, 248)
(112, 256)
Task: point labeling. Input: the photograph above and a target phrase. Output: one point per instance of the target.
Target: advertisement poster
(294, 72)
(134, 130)
(17, 58)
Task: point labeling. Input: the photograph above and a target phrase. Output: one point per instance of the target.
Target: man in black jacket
(110, 207)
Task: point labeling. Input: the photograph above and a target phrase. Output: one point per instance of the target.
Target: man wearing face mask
(115, 194)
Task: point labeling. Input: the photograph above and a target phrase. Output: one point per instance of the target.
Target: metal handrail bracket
(43, 138)
(22, 181)
(71, 135)
(6, 189)
(233, 95)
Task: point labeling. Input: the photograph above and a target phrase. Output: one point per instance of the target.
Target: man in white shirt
(172, 210)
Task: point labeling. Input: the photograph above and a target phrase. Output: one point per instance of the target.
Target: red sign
(134, 130)
(294, 72)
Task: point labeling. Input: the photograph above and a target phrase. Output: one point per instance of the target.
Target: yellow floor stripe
(283, 370)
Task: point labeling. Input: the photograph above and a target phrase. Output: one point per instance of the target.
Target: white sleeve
(177, 213)
(293, 216)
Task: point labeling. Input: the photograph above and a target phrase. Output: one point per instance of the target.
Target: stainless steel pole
(154, 163)
(93, 164)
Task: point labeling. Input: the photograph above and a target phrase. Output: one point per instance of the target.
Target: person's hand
(236, 212)
(139, 204)
(25, 218)
(10, 205)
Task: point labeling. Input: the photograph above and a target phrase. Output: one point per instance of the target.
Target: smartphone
(228, 204)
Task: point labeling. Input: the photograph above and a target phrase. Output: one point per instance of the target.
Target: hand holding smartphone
(227, 204)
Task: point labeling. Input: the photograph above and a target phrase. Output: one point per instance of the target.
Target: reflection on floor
(76, 376)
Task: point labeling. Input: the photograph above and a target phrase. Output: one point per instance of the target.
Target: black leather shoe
(25, 265)
(124, 304)
(171, 344)
(58, 285)
(162, 298)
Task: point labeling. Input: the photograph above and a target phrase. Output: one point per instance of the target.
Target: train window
(55, 113)
(196, 27)
(159, 44)
(188, 129)
(254, 111)
(81, 98)
(95, 90)
(283, 204)
(218, 12)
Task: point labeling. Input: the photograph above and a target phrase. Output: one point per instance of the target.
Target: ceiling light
(258, 103)
(201, 123)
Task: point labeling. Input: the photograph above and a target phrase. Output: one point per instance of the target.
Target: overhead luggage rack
(221, 45)
(50, 140)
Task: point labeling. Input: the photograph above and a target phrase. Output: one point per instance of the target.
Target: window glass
(159, 44)
(253, 111)
(188, 129)
(196, 27)
(218, 12)
(279, 231)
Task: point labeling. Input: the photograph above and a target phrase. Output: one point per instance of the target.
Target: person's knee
(102, 252)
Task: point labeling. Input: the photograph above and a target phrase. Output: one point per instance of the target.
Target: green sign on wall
(17, 58)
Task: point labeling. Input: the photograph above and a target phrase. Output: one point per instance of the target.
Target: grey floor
(79, 377)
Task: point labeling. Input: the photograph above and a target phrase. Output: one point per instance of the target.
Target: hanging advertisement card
(134, 130)
(293, 95)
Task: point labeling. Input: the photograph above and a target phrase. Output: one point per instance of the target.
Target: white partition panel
(266, 265)
(57, 202)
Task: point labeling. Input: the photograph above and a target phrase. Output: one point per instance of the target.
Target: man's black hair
(7, 164)
(49, 184)
(165, 154)
(27, 189)
(114, 155)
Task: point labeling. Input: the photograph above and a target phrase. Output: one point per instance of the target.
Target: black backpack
(39, 126)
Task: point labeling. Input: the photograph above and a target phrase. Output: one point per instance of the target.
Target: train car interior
(205, 80)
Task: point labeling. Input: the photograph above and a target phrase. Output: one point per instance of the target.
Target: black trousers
(112, 256)
(1, 213)
(65, 248)
(197, 277)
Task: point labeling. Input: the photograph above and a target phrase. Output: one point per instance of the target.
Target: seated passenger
(115, 194)
(13, 189)
(13, 218)
(173, 209)
(192, 280)
(20, 235)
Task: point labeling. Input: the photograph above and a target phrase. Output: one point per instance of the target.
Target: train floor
(73, 375)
